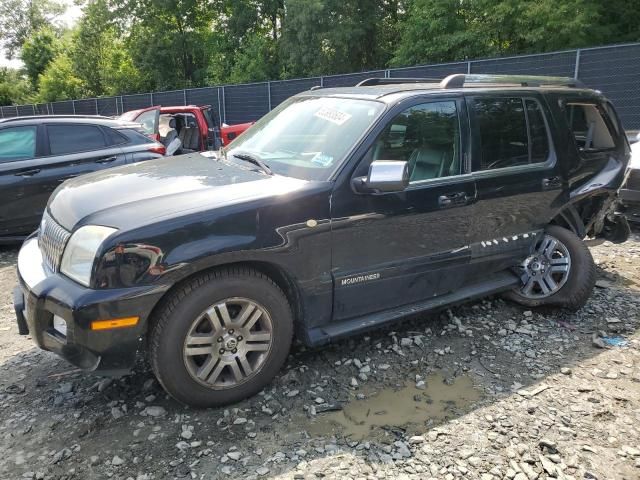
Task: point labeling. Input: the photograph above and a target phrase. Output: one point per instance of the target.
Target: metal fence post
(321, 81)
(2, 112)
(73, 104)
(151, 95)
(184, 96)
(224, 107)
(577, 69)
(97, 109)
(269, 94)
(387, 73)
(469, 68)
(219, 106)
(33, 107)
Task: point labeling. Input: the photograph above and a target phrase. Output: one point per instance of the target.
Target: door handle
(551, 182)
(28, 173)
(452, 199)
(107, 159)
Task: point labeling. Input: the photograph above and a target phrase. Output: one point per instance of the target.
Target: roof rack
(461, 80)
(394, 81)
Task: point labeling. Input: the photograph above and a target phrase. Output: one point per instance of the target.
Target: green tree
(59, 81)
(20, 18)
(38, 51)
(14, 88)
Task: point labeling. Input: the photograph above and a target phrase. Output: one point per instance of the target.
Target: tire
(192, 339)
(579, 283)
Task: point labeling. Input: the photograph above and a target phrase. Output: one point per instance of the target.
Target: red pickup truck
(195, 126)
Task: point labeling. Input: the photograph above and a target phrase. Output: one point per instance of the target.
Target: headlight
(80, 252)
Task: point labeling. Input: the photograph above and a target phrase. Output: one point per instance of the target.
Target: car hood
(143, 193)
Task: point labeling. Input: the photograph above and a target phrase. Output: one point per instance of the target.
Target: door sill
(498, 282)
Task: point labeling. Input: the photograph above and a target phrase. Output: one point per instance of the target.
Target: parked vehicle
(340, 211)
(38, 153)
(196, 127)
(630, 192)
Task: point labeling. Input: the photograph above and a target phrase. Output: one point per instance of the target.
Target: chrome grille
(52, 239)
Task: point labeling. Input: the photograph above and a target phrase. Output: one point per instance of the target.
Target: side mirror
(384, 176)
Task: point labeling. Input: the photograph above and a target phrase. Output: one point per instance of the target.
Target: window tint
(589, 128)
(427, 137)
(510, 134)
(17, 143)
(538, 132)
(73, 138)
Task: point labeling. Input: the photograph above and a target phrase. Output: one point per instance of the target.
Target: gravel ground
(488, 390)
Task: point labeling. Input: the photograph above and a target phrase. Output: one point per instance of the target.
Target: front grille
(52, 239)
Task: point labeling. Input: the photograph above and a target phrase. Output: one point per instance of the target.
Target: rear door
(19, 186)
(518, 178)
(74, 149)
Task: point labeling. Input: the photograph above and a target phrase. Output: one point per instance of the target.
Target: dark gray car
(39, 153)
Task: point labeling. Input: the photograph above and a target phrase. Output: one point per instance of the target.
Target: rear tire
(221, 337)
(571, 291)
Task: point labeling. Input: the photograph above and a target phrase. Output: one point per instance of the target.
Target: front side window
(17, 143)
(73, 138)
(308, 137)
(588, 127)
(512, 132)
(427, 137)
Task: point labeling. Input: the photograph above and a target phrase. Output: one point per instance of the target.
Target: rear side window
(73, 138)
(17, 143)
(588, 127)
(512, 132)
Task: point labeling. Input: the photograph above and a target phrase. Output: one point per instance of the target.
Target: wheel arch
(570, 219)
(283, 279)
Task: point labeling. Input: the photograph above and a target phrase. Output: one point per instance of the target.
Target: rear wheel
(560, 272)
(221, 337)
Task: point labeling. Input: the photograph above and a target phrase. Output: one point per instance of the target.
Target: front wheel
(221, 337)
(560, 272)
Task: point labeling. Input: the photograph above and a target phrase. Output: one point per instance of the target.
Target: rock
(65, 388)
(104, 383)
(354, 382)
(597, 342)
(293, 393)
(116, 413)
(565, 371)
(186, 434)
(240, 421)
(548, 466)
(262, 471)
(464, 454)
(116, 461)
(154, 411)
(235, 455)
(420, 385)
(416, 439)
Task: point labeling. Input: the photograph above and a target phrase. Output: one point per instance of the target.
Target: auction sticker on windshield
(332, 115)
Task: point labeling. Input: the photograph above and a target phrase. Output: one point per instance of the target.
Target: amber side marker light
(114, 323)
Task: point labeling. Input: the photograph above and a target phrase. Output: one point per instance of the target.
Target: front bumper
(42, 295)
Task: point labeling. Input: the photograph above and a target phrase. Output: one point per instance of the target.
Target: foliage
(37, 52)
(20, 18)
(59, 81)
(128, 46)
(14, 88)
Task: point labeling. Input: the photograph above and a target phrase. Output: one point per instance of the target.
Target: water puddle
(407, 407)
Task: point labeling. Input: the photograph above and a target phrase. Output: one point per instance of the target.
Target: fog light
(59, 325)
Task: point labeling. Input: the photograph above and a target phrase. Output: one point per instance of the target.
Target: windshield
(308, 137)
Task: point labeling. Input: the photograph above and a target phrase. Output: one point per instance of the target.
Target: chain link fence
(614, 70)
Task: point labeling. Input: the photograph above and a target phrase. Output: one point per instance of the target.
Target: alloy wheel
(546, 270)
(228, 343)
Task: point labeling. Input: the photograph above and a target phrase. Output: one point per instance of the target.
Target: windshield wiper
(254, 159)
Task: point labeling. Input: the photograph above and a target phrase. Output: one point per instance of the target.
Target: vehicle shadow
(499, 347)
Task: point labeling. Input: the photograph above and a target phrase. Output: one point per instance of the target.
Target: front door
(393, 249)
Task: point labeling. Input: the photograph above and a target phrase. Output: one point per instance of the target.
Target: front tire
(221, 337)
(559, 272)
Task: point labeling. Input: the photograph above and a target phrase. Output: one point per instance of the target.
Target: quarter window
(588, 127)
(427, 137)
(65, 139)
(17, 143)
(512, 132)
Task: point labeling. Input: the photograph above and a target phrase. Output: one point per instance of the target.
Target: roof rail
(28, 117)
(394, 81)
(461, 80)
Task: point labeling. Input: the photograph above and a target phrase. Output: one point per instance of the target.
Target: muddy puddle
(407, 407)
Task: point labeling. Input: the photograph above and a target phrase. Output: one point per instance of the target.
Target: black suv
(341, 210)
(37, 154)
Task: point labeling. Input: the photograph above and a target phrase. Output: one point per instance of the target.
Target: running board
(499, 282)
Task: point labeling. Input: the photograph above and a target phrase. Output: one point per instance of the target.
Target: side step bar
(497, 283)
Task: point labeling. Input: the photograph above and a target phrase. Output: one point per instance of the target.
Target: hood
(143, 193)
